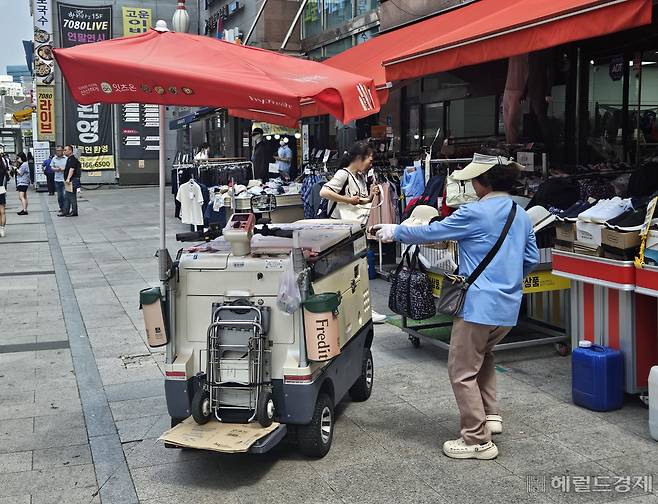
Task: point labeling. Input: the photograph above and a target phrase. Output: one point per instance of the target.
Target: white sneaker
(2, 231)
(495, 424)
(605, 210)
(457, 449)
(378, 318)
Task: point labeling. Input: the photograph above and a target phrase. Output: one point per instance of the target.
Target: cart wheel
(265, 411)
(201, 410)
(415, 341)
(362, 387)
(562, 349)
(315, 438)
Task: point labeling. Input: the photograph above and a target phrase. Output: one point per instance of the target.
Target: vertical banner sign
(89, 128)
(46, 113)
(42, 59)
(138, 123)
(136, 20)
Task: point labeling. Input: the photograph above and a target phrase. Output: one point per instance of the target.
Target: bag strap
(494, 250)
(342, 191)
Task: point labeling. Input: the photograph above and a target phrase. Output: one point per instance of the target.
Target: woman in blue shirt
(492, 303)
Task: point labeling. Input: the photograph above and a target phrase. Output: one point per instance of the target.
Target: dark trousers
(50, 178)
(71, 202)
(61, 194)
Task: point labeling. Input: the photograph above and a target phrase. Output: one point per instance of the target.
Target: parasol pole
(161, 188)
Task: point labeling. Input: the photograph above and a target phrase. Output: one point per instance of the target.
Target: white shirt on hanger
(191, 199)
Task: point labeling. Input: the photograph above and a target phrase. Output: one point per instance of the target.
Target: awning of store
(493, 29)
(183, 121)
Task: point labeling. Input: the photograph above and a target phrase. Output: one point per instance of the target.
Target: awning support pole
(253, 25)
(302, 6)
(161, 172)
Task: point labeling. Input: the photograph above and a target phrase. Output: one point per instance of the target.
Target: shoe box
(589, 234)
(620, 245)
(565, 235)
(587, 249)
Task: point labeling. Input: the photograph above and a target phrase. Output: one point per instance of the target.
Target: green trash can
(321, 327)
(150, 302)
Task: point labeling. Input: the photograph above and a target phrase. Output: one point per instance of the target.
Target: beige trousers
(471, 367)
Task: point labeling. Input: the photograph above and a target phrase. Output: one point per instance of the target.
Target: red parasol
(168, 68)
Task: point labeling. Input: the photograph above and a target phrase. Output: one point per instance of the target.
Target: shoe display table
(609, 307)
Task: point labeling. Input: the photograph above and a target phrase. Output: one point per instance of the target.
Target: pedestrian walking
(492, 302)
(22, 181)
(5, 168)
(58, 165)
(50, 176)
(72, 174)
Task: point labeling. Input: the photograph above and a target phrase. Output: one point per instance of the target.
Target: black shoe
(614, 223)
(632, 221)
(72, 215)
(62, 214)
(22, 212)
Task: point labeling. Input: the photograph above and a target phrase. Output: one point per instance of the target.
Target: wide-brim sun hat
(540, 217)
(480, 164)
(421, 215)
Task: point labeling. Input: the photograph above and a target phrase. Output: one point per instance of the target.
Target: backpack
(327, 207)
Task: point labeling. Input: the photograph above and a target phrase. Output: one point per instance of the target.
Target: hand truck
(237, 383)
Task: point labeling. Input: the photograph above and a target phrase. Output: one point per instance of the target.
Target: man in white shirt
(58, 164)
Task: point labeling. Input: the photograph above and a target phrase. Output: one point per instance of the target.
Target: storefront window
(363, 6)
(337, 12)
(337, 47)
(432, 122)
(644, 111)
(472, 117)
(313, 18)
(606, 96)
(413, 137)
(366, 35)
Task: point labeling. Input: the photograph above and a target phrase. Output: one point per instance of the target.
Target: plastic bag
(289, 298)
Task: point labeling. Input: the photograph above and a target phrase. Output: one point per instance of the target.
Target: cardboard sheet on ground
(217, 436)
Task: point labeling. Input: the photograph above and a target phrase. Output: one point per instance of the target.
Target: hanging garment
(413, 183)
(306, 193)
(190, 197)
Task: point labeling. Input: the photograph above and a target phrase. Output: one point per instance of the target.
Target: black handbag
(411, 292)
(454, 287)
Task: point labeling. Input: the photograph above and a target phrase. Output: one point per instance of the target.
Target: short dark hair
(22, 156)
(69, 146)
(500, 177)
(257, 131)
(58, 147)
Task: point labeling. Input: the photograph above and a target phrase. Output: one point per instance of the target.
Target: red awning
(493, 29)
(168, 68)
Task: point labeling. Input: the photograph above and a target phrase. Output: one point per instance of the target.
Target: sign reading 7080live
(87, 127)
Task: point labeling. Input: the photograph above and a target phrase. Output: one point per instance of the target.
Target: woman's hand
(354, 200)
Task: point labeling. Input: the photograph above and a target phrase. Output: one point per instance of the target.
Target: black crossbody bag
(454, 287)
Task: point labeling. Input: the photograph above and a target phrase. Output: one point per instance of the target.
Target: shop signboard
(136, 20)
(539, 281)
(41, 152)
(616, 68)
(89, 128)
(43, 60)
(138, 123)
(46, 113)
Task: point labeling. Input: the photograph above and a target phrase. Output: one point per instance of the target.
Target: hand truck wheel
(201, 410)
(415, 341)
(265, 411)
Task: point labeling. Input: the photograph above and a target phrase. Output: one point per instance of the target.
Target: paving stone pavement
(79, 422)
